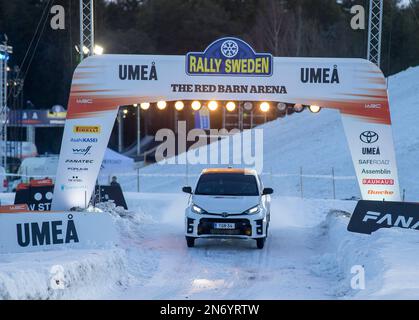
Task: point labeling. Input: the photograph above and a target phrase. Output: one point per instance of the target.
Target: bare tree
(272, 29)
(287, 32)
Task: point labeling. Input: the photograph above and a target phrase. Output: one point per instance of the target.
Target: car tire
(260, 242)
(190, 241)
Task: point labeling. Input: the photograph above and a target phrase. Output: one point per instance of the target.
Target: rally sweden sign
(229, 56)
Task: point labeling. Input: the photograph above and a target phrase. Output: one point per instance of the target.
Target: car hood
(229, 204)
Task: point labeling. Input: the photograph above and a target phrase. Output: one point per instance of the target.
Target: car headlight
(196, 209)
(253, 210)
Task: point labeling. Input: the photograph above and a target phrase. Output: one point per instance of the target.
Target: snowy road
(227, 269)
(309, 255)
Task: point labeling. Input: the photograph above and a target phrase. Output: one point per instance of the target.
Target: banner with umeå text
(27, 232)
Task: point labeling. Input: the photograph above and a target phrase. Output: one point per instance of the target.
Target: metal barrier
(300, 184)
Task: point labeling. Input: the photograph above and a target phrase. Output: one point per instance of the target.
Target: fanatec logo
(368, 137)
(391, 221)
(81, 161)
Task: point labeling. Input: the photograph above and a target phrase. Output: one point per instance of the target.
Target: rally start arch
(229, 69)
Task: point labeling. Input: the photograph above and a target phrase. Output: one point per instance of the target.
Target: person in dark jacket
(114, 182)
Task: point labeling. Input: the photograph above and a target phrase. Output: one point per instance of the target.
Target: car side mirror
(187, 190)
(267, 191)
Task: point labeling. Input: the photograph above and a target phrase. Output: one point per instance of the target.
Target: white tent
(42, 167)
(38, 167)
(114, 163)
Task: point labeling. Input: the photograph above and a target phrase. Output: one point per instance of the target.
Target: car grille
(224, 214)
(225, 231)
(206, 226)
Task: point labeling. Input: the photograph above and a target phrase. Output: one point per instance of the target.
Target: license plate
(223, 225)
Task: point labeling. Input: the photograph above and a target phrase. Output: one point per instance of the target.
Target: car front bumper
(246, 226)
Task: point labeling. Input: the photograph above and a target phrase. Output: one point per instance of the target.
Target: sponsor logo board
(87, 129)
(369, 216)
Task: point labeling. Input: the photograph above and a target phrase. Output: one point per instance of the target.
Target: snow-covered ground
(309, 253)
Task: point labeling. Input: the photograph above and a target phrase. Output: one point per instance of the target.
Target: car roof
(229, 170)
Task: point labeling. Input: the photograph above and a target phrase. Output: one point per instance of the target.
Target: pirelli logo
(86, 129)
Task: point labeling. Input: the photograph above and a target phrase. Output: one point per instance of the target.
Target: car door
(264, 199)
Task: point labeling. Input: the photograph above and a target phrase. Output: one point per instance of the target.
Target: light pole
(230, 107)
(138, 129)
(179, 105)
(143, 106)
(240, 117)
(264, 107)
(120, 131)
(224, 118)
(248, 106)
(5, 50)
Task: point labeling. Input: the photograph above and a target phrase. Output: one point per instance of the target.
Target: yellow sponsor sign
(86, 129)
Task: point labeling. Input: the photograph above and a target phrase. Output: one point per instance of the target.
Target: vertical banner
(374, 159)
(84, 143)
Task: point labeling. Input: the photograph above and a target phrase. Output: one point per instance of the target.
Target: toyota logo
(369, 137)
(224, 214)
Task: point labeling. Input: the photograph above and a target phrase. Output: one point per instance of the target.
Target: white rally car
(228, 203)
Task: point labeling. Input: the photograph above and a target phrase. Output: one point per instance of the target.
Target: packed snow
(309, 253)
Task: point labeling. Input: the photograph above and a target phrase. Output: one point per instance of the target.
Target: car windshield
(227, 184)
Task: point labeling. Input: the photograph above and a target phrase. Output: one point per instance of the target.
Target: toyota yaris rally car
(228, 203)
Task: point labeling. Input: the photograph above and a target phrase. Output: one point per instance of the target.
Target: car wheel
(190, 241)
(260, 242)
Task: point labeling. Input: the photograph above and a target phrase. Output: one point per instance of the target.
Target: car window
(227, 184)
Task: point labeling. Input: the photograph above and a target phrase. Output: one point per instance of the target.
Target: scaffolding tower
(87, 29)
(5, 51)
(374, 31)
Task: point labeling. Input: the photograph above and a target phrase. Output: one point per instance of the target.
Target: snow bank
(84, 274)
(388, 256)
